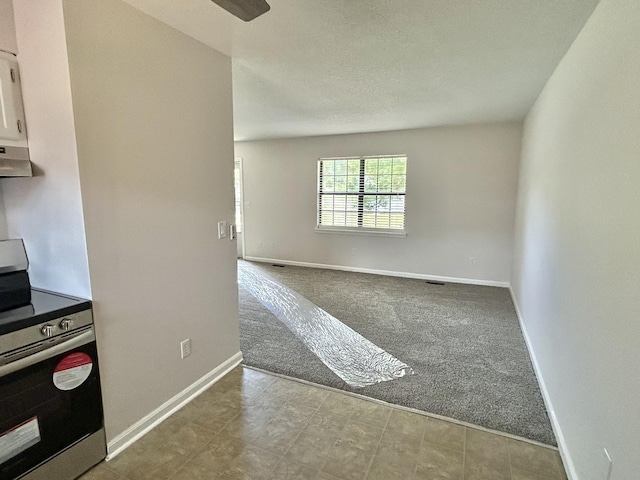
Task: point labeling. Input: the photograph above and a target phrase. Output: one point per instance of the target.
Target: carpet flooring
(463, 342)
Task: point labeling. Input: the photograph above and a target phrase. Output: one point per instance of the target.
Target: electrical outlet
(472, 260)
(185, 348)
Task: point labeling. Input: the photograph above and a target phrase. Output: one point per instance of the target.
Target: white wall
(154, 126)
(460, 201)
(576, 275)
(7, 27)
(46, 210)
(8, 44)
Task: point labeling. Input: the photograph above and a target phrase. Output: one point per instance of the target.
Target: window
(362, 193)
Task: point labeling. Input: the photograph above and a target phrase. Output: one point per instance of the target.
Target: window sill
(362, 231)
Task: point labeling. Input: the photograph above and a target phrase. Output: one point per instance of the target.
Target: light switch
(222, 230)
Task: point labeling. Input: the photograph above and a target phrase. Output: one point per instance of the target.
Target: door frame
(237, 162)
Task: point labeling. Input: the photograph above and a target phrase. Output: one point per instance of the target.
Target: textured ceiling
(315, 67)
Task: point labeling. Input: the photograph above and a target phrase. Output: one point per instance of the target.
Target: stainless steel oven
(51, 421)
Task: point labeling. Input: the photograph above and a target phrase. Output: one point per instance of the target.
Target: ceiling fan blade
(245, 10)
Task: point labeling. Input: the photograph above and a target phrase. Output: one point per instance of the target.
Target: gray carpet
(463, 342)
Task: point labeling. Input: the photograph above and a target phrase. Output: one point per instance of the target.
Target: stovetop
(45, 306)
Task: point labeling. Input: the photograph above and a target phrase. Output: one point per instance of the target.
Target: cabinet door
(11, 123)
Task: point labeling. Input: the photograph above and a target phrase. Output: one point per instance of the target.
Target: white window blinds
(362, 193)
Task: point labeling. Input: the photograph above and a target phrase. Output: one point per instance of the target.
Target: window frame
(360, 194)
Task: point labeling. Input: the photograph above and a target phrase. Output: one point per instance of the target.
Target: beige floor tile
(100, 472)
(361, 436)
(311, 448)
(347, 462)
(517, 474)
(438, 462)
(325, 476)
(247, 424)
(312, 397)
(407, 423)
(291, 470)
(276, 437)
(252, 464)
(286, 389)
(193, 471)
(371, 413)
(169, 426)
(213, 415)
(219, 453)
(146, 461)
(294, 415)
(264, 404)
(185, 440)
(238, 395)
(541, 461)
(245, 378)
(248, 375)
(400, 442)
(487, 447)
(523, 475)
(399, 469)
(475, 469)
(252, 425)
(330, 424)
(444, 433)
(486, 456)
(339, 403)
(297, 392)
(562, 472)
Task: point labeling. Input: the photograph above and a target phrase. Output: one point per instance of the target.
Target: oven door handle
(82, 339)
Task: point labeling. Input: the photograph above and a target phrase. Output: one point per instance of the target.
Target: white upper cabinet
(7, 27)
(12, 124)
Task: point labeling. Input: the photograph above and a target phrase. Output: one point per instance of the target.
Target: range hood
(14, 147)
(14, 162)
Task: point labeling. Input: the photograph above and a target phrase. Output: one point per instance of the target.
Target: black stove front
(51, 419)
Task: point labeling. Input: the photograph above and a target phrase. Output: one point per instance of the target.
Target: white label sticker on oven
(72, 371)
(18, 439)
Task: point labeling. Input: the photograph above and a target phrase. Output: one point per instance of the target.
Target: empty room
(325, 240)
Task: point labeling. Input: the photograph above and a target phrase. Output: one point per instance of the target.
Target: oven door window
(47, 407)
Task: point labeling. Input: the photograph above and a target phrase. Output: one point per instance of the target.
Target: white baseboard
(388, 273)
(557, 430)
(141, 427)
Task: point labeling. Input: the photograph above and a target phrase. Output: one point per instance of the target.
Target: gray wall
(576, 273)
(154, 123)
(130, 125)
(461, 196)
(46, 210)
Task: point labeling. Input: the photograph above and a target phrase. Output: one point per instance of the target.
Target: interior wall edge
(388, 273)
(546, 397)
(4, 228)
(157, 416)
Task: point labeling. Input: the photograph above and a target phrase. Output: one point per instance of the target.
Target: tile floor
(251, 425)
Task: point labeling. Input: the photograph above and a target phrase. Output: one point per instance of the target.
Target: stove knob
(66, 324)
(47, 330)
